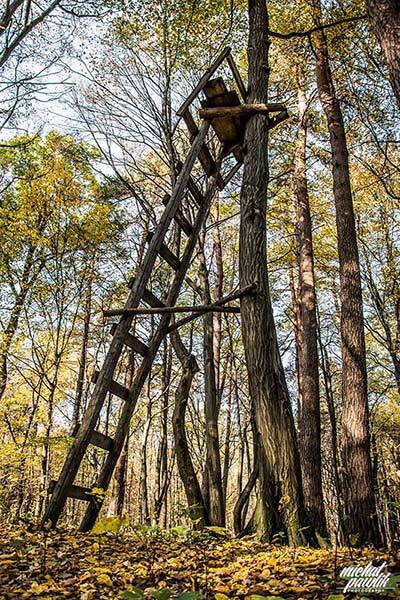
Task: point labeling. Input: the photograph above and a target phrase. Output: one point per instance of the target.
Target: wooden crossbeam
(180, 218)
(97, 439)
(148, 296)
(133, 342)
(166, 253)
(114, 312)
(74, 491)
(114, 387)
(215, 305)
(243, 110)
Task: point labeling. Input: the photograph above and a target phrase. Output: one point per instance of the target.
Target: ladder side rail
(207, 75)
(129, 406)
(82, 440)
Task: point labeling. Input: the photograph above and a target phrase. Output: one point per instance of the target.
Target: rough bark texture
(265, 372)
(183, 459)
(216, 507)
(384, 16)
(359, 491)
(309, 420)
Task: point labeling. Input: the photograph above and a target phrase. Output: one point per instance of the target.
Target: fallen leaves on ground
(51, 565)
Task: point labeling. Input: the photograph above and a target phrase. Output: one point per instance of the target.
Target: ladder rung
(205, 156)
(166, 254)
(180, 218)
(195, 191)
(115, 388)
(192, 186)
(75, 491)
(148, 296)
(133, 342)
(96, 439)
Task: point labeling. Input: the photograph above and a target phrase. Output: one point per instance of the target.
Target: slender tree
(309, 419)
(359, 489)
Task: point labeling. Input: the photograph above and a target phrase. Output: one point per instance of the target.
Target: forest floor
(148, 563)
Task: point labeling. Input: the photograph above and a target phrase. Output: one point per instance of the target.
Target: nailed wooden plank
(132, 341)
(97, 439)
(135, 344)
(207, 75)
(233, 172)
(203, 308)
(180, 218)
(205, 157)
(166, 253)
(75, 491)
(115, 388)
(244, 110)
(227, 128)
(195, 191)
(101, 441)
(148, 296)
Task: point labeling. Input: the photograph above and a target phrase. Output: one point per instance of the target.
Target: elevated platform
(227, 111)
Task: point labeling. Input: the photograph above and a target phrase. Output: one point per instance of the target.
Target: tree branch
(297, 34)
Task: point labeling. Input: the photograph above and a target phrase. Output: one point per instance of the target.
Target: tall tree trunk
(184, 462)
(358, 490)
(309, 419)
(85, 339)
(265, 371)
(162, 456)
(384, 16)
(25, 284)
(216, 508)
(117, 501)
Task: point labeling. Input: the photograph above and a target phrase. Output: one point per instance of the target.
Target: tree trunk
(309, 419)
(384, 16)
(25, 284)
(211, 407)
(358, 489)
(162, 456)
(84, 346)
(184, 462)
(265, 372)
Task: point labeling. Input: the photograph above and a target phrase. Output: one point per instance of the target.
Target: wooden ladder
(230, 132)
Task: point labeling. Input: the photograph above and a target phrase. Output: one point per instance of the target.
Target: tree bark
(184, 462)
(384, 16)
(265, 371)
(85, 340)
(358, 489)
(309, 418)
(216, 509)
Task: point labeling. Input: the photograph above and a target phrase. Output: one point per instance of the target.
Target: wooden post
(82, 440)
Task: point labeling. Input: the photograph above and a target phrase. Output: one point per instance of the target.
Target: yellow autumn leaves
(118, 565)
